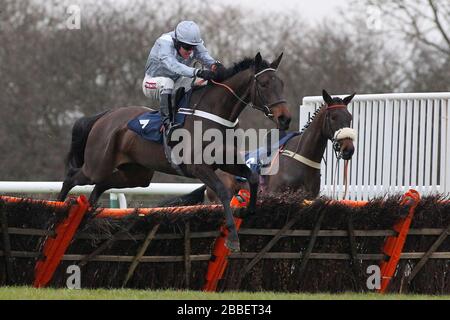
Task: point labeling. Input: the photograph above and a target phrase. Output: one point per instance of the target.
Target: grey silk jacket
(164, 61)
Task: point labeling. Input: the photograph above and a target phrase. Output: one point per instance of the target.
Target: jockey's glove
(217, 65)
(219, 70)
(205, 74)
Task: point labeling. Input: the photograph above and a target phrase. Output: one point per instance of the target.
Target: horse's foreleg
(230, 183)
(242, 170)
(207, 175)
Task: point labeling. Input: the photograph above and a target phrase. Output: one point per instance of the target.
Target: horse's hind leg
(207, 175)
(127, 176)
(73, 178)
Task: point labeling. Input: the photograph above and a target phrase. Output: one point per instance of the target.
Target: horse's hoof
(233, 245)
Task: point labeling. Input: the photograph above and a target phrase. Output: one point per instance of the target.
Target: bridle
(266, 108)
(338, 135)
(334, 140)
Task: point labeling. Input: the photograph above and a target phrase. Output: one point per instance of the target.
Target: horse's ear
(349, 98)
(258, 60)
(275, 64)
(326, 97)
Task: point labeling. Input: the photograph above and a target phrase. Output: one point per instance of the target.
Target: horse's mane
(245, 64)
(336, 100)
(311, 118)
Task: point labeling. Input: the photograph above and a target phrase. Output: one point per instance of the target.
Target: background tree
(423, 28)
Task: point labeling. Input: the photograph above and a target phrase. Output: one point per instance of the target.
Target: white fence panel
(445, 156)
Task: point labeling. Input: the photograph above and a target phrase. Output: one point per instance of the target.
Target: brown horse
(104, 152)
(299, 166)
(299, 159)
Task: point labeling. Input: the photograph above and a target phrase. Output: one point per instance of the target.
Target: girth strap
(209, 116)
(302, 159)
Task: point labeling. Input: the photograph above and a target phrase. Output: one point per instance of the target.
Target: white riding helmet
(188, 32)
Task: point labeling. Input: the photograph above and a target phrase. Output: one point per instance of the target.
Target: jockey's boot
(164, 109)
(166, 112)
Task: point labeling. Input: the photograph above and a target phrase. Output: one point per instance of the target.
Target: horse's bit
(340, 134)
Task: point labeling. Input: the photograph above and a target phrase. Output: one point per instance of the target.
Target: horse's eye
(265, 84)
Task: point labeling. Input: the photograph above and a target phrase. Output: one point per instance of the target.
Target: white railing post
(122, 201)
(117, 200)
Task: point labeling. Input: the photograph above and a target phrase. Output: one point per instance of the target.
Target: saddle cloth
(260, 158)
(148, 125)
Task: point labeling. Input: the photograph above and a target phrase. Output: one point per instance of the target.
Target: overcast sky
(313, 10)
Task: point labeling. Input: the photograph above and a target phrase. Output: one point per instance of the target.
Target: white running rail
(53, 187)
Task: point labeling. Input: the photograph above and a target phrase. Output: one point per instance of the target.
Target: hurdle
(214, 274)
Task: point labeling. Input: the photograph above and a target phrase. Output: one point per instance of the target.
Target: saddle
(148, 125)
(184, 87)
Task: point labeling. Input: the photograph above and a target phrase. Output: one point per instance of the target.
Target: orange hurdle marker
(393, 245)
(219, 259)
(54, 248)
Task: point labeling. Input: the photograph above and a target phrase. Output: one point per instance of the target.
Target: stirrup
(171, 127)
(168, 150)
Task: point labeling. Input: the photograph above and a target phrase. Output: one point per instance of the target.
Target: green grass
(28, 293)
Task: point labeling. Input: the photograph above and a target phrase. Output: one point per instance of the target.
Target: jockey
(170, 59)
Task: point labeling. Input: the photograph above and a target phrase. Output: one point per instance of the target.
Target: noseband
(340, 134)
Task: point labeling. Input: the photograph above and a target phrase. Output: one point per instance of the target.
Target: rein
(225, 122)
(345, 181)
(338, 135)
(231, 90)
(266, 108)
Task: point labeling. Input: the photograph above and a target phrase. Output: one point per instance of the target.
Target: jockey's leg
(165, 108)
(159, 90)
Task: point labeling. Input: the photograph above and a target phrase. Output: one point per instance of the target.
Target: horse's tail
(80, 132)
(195, 197)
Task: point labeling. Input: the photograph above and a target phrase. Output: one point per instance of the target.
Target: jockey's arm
(201, 54)
(176, 67)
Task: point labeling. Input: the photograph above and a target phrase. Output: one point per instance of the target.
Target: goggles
(186, 46)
